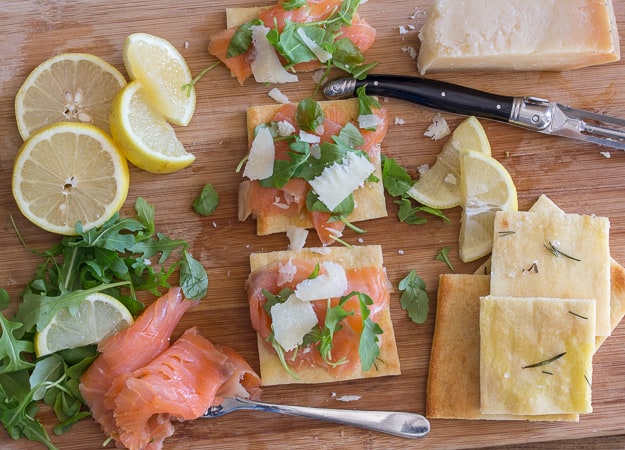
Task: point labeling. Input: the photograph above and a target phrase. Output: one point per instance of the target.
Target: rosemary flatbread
(369, 199)
(536, 355)
(539, 254)
(453, 386)
(365, 273)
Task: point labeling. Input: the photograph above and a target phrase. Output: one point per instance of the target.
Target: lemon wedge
(143, 134)
(74, 87)
(69, 172)
(439, 187)
(98, 316)
(163, 71)
(486, 187)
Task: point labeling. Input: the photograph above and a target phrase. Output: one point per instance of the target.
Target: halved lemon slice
(163, 71)
(439, 187)
(67, 173)
(142, 133)
(97, 317)
(486, 187)
(74, 87)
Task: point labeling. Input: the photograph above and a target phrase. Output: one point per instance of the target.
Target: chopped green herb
(556, 252)
(242, 39)
(207, 201)
(505, 233)
(443, 255)
(309, 115)
(578, 315)
(288, 5)
(545, 362)
(414, 298)
(395, 178)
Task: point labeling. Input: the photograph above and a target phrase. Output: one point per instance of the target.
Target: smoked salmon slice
(179, 384)
(129, 350)
(139, 384)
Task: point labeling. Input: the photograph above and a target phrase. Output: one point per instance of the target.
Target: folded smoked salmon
(322, 315)
(272, 43)
(314, 164)
(139, 385)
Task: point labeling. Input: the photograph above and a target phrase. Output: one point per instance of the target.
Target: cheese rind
(551, 35)
(537, 366)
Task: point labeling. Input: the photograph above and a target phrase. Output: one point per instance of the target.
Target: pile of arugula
(118, 255)
(293, 43)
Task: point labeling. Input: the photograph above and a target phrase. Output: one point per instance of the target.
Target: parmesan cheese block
(537, 366)
(550, 35)
(553, 255)
(453, 386)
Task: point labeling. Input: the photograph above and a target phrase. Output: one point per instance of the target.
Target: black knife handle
(440, 95)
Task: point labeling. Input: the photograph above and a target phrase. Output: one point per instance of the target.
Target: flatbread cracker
(369, 199)
(453, 386)
(271, 370)
(549, 255)
(537, 366)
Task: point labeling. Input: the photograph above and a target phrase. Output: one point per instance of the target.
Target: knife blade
(533, 113)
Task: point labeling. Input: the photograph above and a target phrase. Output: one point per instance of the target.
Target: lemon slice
(98, 316)
(163, 71)
(145, 137)
(69, 172)
(439, 187)
(486, 187)
(74, 87)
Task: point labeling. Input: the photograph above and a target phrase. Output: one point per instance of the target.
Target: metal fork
(408, 425)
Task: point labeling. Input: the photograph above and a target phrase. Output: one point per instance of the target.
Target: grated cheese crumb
(423, 168)
(412, 52)
(438, 129)
(400, 252)
(285, 128)
(399, 121)
(450, 178)
(278, 96)
(348, 398)
(606, 154)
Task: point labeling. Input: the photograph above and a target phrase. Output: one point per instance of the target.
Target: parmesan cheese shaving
(297, 237)
(366, 121)
(266, 65)
(309, 137)
(333, 283)
(339, 180)
(286, 272)
(319, 52)
(261, 158)
(291, 321)
(278, 96)
(438, 129)
(285, 128)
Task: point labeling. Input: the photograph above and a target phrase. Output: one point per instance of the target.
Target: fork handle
(408, 425)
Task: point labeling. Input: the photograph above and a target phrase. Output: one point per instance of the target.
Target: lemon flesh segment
(486, 187)
(68, 173)
(70, 87)
(143, 134)
(439, 187)
(98, 316)
(163, 71)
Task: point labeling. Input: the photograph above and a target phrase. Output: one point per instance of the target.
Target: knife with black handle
(533, 113)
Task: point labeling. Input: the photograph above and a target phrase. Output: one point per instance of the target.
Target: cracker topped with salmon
(273, 43)
(322, 315)
(314, 165)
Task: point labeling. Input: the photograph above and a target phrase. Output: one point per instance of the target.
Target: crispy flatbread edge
(271, 370)
(437, 397)
(369, 199)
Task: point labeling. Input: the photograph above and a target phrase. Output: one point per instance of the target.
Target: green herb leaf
(414, 298)
(193, 277)
(368, 348)
(12, 349)
(242, 39)
(309, 115)
(366, 104)
(443, 255)
(407, 213)
(395, 178)
(4, 299)
(344, 208)
(289, 5)
(207, 201)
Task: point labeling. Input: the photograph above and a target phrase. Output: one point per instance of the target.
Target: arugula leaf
(365, 103)
(193, 277)
(414, 298)
(288, 5)
(242, 39)
(285, 169)
(346, 55)
(443, 255)
(290, 44)
(4, 299)
(343, 209)
(309, 115)
(272, 299)
(395, 178)
(368, 348)
(207, 201)
(11, 348)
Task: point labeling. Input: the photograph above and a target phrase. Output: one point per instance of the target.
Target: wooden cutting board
(579, 177)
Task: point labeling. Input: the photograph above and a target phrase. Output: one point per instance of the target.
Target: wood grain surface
(577, 176)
